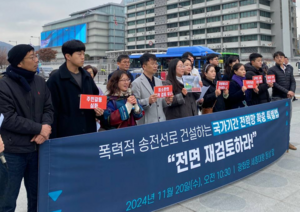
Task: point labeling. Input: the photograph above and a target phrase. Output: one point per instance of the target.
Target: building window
(150, 11)
(229, 5)
(172, 6)
(140, 30)
(230, 39)
(131, 23)
(249, 50)
(230, 16)
(172, 35)
(265, 14)
(184, 23)
(172, 25)
(214, 40)
(233, 50)
(130, 39)
(149, 3)
(187, 3)
(130, 15)
(213, 19)
(174, 15)
(265, 26)
(184, 43)
(266, 38)
(131, 31)
(230, 28)
(148, 20)
(213, 8)
(198, 42)
(148, 46)
(184, 33)
(199, 21)
(265, 50)
(265, 2)
(140, 21)
(198, 1)
(171, 44)
(247, 2)
(150, 28)
(130, 47)
(198, 31)
(249, 26)
(140, 5)
(186, 13)
(150, 37)
(249, 38)
(198, 11)
(140, 13)
(131, 7)
(140, 38)
(249, 14)
(213, 30)
(140, 46)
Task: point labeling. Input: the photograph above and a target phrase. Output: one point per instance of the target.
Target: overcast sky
(21, 19)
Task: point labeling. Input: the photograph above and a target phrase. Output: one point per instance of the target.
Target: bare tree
(46, 54)
(3, 58)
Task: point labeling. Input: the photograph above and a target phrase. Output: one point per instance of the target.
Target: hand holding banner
(92, 101)
(163, 91)
(223, 85)
(271, 78)
(249, 84)
(258, 79)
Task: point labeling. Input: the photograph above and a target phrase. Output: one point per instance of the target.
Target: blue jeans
(19, 165)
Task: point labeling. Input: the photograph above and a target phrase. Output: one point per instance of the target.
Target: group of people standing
(35, 110)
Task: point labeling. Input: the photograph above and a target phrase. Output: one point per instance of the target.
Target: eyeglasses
(125, 80)
(33, 57)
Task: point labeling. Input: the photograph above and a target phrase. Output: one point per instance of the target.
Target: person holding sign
(143, 89)
(188, 69)
(194, 71)
(239, 96)
(123, 108)
(66, 86)
(184, 103)
(214, 97)
(254, 72)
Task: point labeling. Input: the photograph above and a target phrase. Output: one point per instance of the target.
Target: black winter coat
(182, 106)
(218, 72)
(69, 120)
(263, 94)
(236, 96)
(285, 81)
(24, 113)
(210, 97)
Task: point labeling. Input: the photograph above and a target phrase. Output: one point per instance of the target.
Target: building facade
(238, 26)
(101, 28)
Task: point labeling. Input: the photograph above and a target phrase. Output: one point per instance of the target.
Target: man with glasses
(213, 59)
(28, 114)
(143, 89)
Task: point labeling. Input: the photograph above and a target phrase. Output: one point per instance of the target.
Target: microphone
(2, 158)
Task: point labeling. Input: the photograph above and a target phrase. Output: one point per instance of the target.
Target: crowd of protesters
(35, 110)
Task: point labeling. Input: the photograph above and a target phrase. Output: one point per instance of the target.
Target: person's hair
(112, 85)
(279, 53)
(187, 54)
(72, 46)
(146, 58)
(122, 57)
(253, 56)
(185, 59)
(236, 67)
(177, 86)
(95, 70)
(205, 69)
(228, 62)
(211, 56)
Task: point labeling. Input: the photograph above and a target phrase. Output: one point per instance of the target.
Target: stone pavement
(275, 188)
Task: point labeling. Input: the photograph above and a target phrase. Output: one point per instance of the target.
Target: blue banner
(148, 167)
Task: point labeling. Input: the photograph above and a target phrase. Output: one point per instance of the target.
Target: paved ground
(276, 188)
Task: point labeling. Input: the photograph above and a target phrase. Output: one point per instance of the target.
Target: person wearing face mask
(214, 99)
(239, 96)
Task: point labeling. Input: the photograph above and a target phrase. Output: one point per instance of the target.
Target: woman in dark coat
(239, 96)
(231, 61)
(184, 103)
(213, 98)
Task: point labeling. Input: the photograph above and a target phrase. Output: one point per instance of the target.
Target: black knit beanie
(17, 54)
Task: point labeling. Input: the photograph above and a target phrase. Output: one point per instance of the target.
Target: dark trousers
(19, 166)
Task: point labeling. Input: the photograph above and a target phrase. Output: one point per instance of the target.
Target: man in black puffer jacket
(254, 68)
(25, 103)
(285, 84)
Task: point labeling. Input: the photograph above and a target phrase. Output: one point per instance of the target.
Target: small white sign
(1, 119)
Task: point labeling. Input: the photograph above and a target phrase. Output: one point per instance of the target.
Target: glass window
(150, 37)
(198, 1)
(230, 39)
(184, 33)
(247, 2)
(140, 38)
(131, 31)
(140, 21)
(131, 23)
(140, 13)
(198, 11)
(186, 3)
(140, 30)
(264, 2)
(171, 44)
(184, 43)
(198, 42)
(265, 26)
(174, 15)
(130, 15)
(213, 19)
(265, 50)
(140, 46)
(213, 30)
(130, 47)
(148, 46)
(214, 40)
(198, 31)
(213, 8)
(172, 6)
(130, 39)
(233, 50)
(266, 38)
(230, 16)
(150, 11)
(149, 3)
(230, 28)
(172, 35)
(184, 23)
(148, 20)
(265, 14)
(229, 5)
(150, 28)
(248, 14)
(172, 25)
(249, 50)
(140, 5)
(186, 13)
(249, 25)
(199, 21)
(131, 7)
(249, 38)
